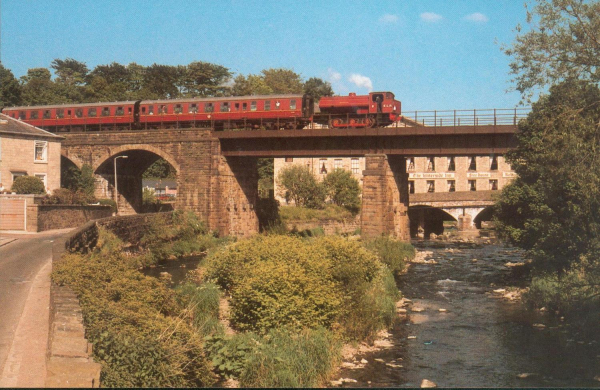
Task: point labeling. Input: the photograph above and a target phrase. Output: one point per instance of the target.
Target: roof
(13, 126)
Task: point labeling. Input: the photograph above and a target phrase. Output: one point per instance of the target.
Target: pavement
(25, 266)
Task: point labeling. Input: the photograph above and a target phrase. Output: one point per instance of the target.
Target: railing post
(474, 117)
(494, 117)
(515, 118)
(435, 118)
(416, 116)
(454, 121)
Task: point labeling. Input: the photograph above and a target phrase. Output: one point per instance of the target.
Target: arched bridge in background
(217, 170)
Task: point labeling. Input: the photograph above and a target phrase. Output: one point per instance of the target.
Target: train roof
(159, 101)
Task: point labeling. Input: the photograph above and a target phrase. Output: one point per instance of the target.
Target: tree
(10, 89)
(160, 82)
(70, 79)
(300, 185)
(205, 79)
(160, 169)
(317, 88)
(38, 88)
(551, 209)
(28, 185)
(343, 189)
(282, 80)
(108, 83)
(563, 43)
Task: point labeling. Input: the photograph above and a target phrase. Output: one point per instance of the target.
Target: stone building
(28, 150)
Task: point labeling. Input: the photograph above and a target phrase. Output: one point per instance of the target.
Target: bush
(300, 185)
(67, 196)
(203, 303)
(343, 189)
(109, 202)
(28, 185)
(329, 212)
(391, 252)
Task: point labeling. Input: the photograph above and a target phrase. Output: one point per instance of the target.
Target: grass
(330, 212)
(391, 252)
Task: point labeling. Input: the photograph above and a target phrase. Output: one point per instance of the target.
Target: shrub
(329, 212)
(267, 210)
(109, 202)
(67, 196)
(391, 252)
(343, 189)
(78, 180)
(300, 185)
(148, 196)
(203, 303)
(28, 185)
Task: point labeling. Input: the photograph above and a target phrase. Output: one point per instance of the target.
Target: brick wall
(65, 216)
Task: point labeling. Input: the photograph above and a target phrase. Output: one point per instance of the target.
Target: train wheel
(335, 122)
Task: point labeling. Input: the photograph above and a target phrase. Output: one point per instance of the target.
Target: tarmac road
(22, 257)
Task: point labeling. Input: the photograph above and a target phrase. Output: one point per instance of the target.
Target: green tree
(108, 83)
(28, 185)
(205, 79)
(160, 169)
(317, 88)
(38, 88)
(10, 89)
(161, 82)
(300, 185)
(551, 209)
(343, 189)
(562, 42)
(70, 79)
(282, 80)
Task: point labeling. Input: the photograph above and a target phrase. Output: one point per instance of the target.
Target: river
(477, 339)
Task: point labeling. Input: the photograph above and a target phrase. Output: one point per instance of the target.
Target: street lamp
(116, 192)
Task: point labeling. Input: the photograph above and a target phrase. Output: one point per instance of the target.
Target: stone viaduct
(217, 170)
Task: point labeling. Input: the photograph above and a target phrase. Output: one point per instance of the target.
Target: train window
(237, 106)
(119, 111)
(92, 112)
(208, 107)
(34, 114)
(224, 107)
(193, 108)
(292, 104)
(244, 106)
(60, 113)
(79, 112)
(150, 110)
(47, 114)
(253, 106)
(143, 110)
(69, 113)
(22, 115)
(267, 105)
(178, 109)
(105, 111)
(377, 97)
(162, 109)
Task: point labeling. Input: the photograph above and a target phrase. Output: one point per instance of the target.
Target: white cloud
(477, 17)
(431, 17)
(388, 18)
(333, 75)
(361, 81)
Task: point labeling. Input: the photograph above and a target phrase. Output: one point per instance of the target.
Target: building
(28, 150)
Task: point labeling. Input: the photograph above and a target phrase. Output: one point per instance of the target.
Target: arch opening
(427, 220)
(483, 220)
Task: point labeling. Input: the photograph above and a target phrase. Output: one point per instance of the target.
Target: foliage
(317, 88)
(551, 208)
(78, 180)
(148, 196)
(329, 212)
(267, 210)
(391, 252)
(10, 90)
(300, 185)
(142, 336)
(109, 202)
(265, 176)
(276, 281)
(160, 169)
(28, 185)
(66, 196)
(203, 303)
(561, 43)
(343, 189)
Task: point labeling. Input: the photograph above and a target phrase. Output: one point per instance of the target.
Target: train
(269, 112)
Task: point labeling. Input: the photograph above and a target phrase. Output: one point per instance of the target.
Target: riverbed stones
(526, 375)
(539, 326)
(427, 384)
(417, 309)
(364, 361)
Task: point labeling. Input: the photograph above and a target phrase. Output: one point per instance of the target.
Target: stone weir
(69, 354)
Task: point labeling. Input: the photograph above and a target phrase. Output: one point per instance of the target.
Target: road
(22, 258)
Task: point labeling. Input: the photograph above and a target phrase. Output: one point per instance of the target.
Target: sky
(432, 54)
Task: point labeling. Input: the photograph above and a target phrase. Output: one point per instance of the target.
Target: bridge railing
(481, 117)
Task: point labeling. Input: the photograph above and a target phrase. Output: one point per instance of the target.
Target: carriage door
(377, 102)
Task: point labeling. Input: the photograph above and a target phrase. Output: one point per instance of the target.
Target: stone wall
(64, 216)
(328, 226)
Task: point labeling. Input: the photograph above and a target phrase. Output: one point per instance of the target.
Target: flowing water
(176, 268)
(477, 339)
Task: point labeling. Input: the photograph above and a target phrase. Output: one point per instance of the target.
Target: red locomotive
(234, 112)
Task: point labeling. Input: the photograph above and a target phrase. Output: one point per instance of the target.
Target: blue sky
(433, 54)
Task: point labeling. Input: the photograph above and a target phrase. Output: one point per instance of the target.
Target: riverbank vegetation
(551, 209)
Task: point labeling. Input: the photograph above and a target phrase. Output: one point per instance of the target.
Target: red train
(235, 112)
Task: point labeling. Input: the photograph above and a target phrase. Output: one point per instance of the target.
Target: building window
(47, 114)
(34, 115)
(337, 163)
(292, 104)
(253, 105)
(430, 164)
(451, 185)
(430, 185)
(410, 163)
(451, 165)
(323, 166)
(355, 166)
(42, 177)
(472, 185)
(17, 174)
(289, 159)
(119, 111)
(105, 111)
(92, 112)
(224, 106)
(411, 186)
(40, 151)
(208, 107)
(193, 108)
(472, 163)
(178, 109)
(267, 105)
(493, 163)
(79, 112)
(494, 185)
(60, 113)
